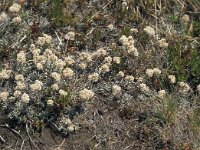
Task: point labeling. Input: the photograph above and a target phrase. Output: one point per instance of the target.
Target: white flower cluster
(172, 79)
(21, 57)
(128, 42)
(150, 31)
(15, 8)
(94, 77)
(120, 74)
(129, 78)
(99, 53)
(86, 94)
(37, 86)
(154, 71)
(17, 20)
(63, 92)
(143, 88)
(5, 74)
(50, 102)
(184, 88)
(86, 57)
(20, 82)
(45, 39)
(104, 68)
(161, 94)
(3, 17)
(162, 43)
(56, 76)
(4, 96)
(69, 60)
(116, 90)
(70, 36)
(25, 98)
(68, 72)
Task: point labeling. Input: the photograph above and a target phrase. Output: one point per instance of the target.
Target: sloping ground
(145, 93)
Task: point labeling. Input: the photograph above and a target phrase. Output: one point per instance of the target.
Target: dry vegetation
(100, 74)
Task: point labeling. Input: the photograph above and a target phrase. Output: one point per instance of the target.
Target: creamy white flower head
(48, 39)
(48, 52)
(4, 96)
(184, 88)
(136, 53)
(140, 79)
(56, 76)
(19, 77)
(123, 39)
(15, 8)
(68, 72)
(70, 36)
(37, 86)
(86, 57)
(53, 58)
(3, 17)
(71, 128)
(107, 59)
(120, 74)
(101, 52)
(104, 68)
(25, 98)
(149, 72)
(149, 30)
(143, 88)
(35, 52)
(41, 41)
(124, 4)
(117, 60)
(185, 18)
(94, 77)
(50, 102)
(162, 43)
(17, 20)
(5, 74)
(20, 85)
(116, 90)
(86, 94)
(17, 93)
(32, 47)
(129, 78)
(60, 64)
(68, 121)
(55, 87)
(161, 94)
(134, 30)
(82, 65)
(69, 60)
(39, 66)
(21, 57)
(156, 71)
(63, 93)
(132, 50)
(198, 88)
(111, 26)
(172, 78)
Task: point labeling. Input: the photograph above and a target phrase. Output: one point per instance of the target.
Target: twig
(21, 148)
(99, 11)
(13, 130)
(155, 3)
(27, 131)
(60, 42)
(2, 139)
